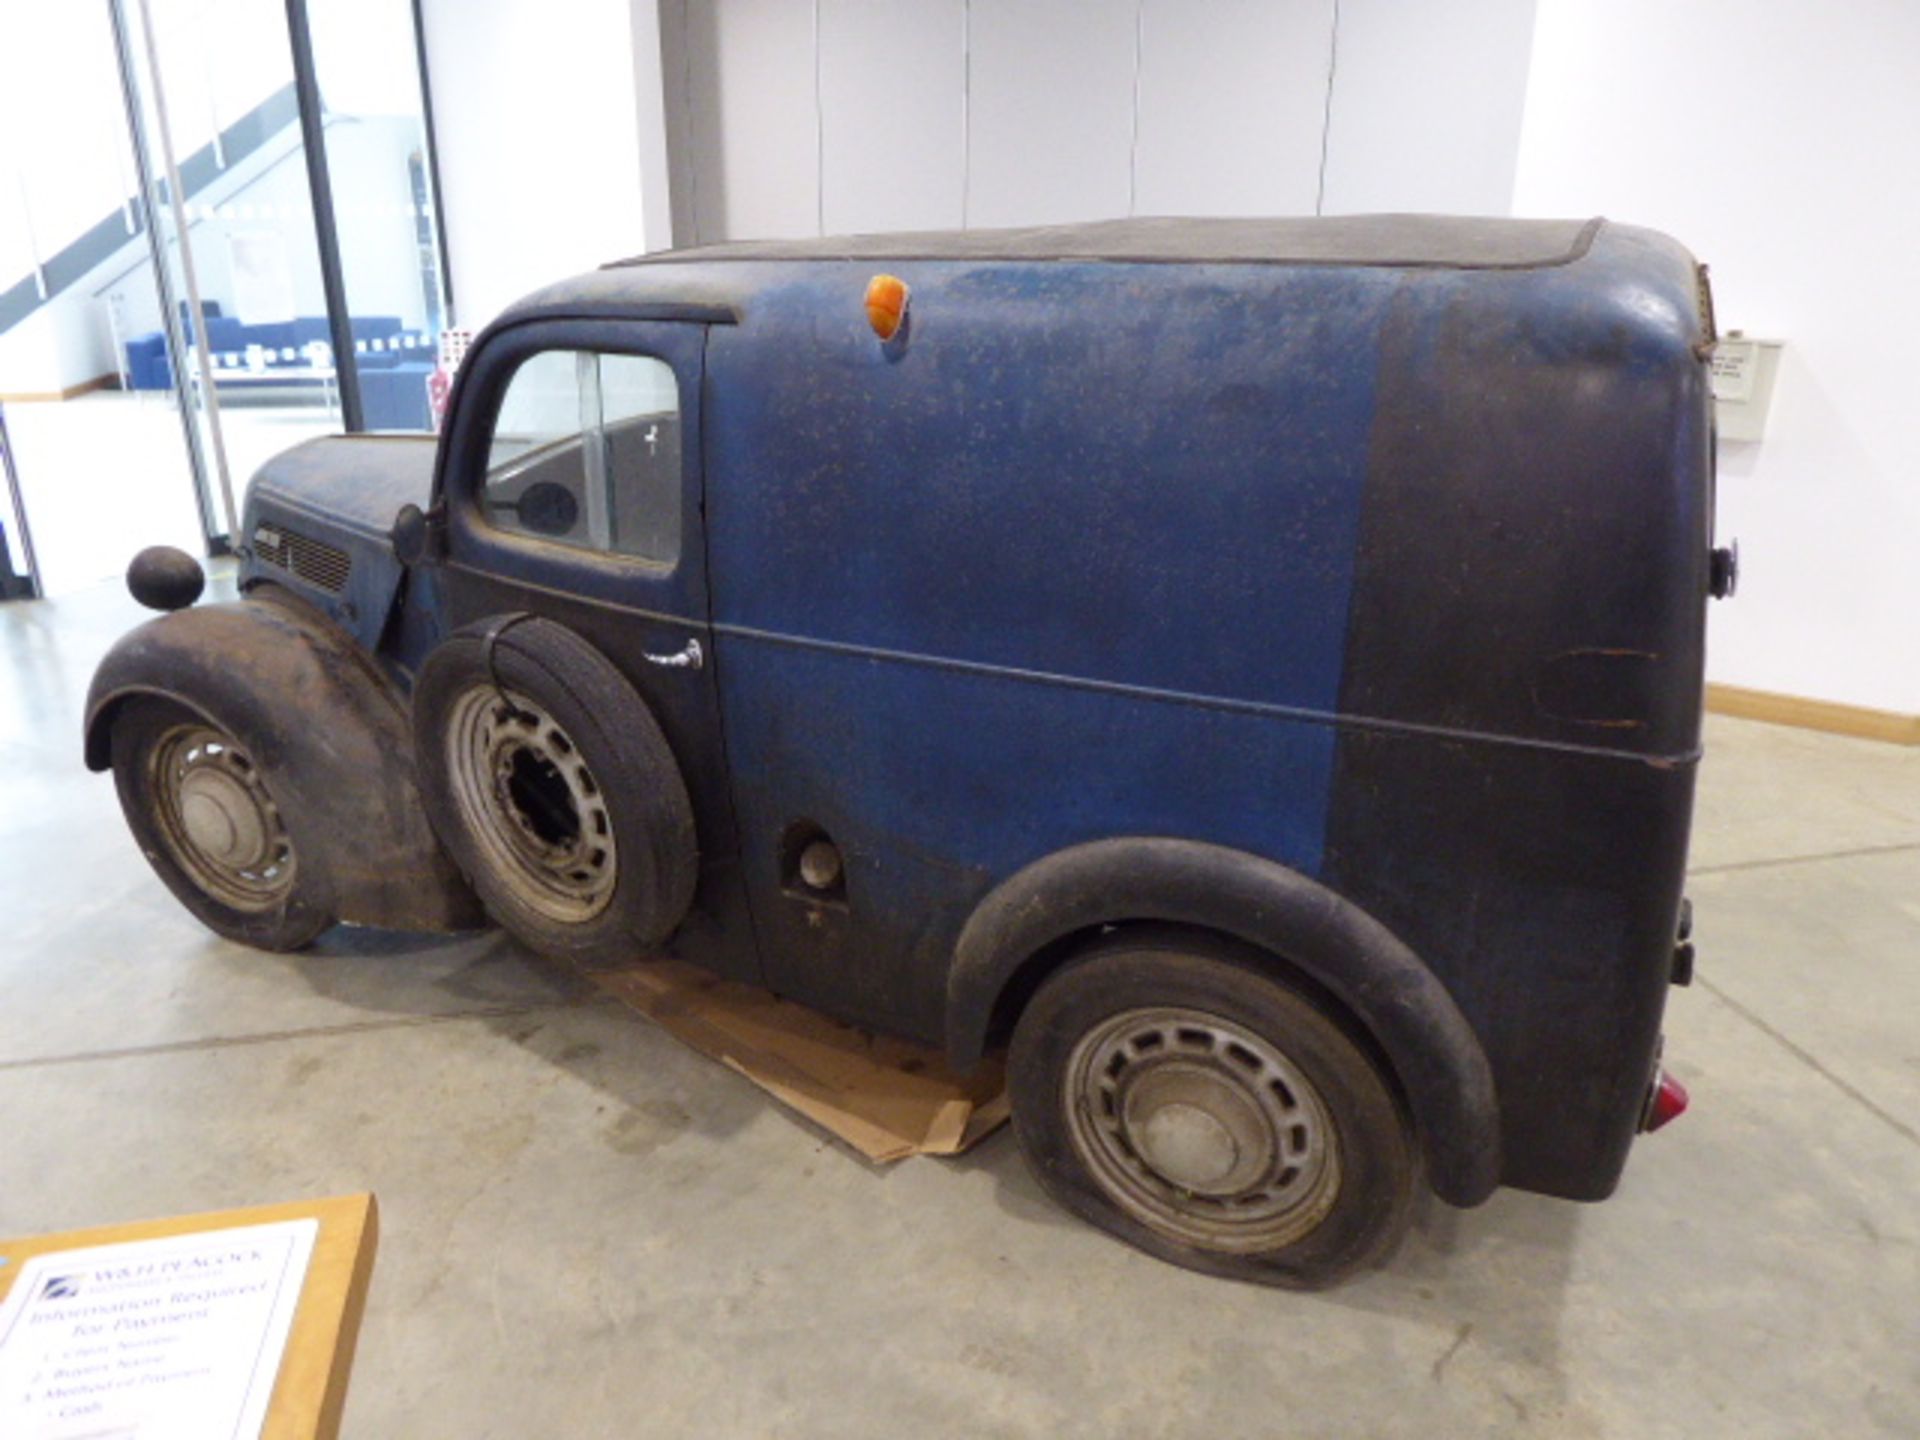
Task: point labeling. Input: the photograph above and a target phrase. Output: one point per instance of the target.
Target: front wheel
(207, 818)
(1172, 1094)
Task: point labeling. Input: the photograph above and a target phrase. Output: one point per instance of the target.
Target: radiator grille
(314, 561)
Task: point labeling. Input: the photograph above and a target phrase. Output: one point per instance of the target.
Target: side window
(586, 452)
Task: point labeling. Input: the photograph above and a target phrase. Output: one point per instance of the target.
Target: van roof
(1399, 241)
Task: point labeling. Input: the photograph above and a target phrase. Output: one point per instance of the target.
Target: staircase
(211, 175)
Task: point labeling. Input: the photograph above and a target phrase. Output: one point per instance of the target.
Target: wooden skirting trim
(1814, 714)
(98, 382)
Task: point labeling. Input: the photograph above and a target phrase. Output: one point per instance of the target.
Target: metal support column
(170, 327)
(14, 586)
(306, 94)
(433, 160)
(202, 350)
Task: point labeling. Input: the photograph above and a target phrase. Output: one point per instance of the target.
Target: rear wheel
(208, 819)
(1168, 1091)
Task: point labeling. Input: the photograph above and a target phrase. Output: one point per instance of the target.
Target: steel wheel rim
(1201, 1129)
(218, 821)
(531, 804)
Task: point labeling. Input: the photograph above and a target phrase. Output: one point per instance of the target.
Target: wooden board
(70, 392)
(1807, 714)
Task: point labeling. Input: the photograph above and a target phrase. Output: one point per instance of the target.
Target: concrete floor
(590, 1231)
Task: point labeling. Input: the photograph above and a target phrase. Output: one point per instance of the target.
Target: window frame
(475, 544)
(601, 499)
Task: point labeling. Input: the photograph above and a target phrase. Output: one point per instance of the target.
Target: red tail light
(1667, 1102)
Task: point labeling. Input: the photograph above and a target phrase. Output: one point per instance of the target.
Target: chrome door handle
(691, 658)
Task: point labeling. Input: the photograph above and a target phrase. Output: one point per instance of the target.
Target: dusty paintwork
(1341, 583)
(351, 487)
(324, 724)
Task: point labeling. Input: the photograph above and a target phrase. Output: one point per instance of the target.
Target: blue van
(1248, 672)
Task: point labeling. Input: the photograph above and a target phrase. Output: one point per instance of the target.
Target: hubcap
(1196, 1131)
(531, 804)
(221, 818)
(219, 823)
(1202, 1130)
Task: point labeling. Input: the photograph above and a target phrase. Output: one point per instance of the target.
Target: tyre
(1169, 1092)
(553, 788)
(207, 817)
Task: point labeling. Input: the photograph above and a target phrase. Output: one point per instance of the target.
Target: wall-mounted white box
(1743, 371)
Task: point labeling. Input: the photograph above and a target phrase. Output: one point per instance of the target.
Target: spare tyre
(551, 784)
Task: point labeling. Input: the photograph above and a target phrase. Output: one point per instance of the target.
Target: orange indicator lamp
(886, 305)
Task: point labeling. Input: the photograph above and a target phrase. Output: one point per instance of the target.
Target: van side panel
(1533, 565)
(1072, 562)
(1083, 470)
(1393, 576)
(931, 814)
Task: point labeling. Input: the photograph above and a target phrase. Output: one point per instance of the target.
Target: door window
(586, 452)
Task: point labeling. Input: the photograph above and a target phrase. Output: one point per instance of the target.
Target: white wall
(535, 115)
(1426, 107)
(64, 157)
(1233, 98)
(892, 144)
(753, 118)
(889, 115)
(64, 84)
(363, 55)
(1777, 142)
(367, 159)
(655, 91)
(800, 117)
(1050, 111)
(57, 346)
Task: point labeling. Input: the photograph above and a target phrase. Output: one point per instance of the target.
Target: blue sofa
(394, 362)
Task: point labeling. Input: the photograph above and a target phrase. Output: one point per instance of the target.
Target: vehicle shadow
(655, 1085)
(656, 1089)
(1015, 1190)
(393, 972)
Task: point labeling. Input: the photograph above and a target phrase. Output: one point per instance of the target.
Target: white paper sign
(175, 1339)
(1732, 367)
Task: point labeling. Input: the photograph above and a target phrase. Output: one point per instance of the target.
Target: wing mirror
(549, 509)
(412, 535)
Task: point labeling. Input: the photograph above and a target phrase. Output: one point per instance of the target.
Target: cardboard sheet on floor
(887, 1098)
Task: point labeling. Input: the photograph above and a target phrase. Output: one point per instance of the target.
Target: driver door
(573, 489)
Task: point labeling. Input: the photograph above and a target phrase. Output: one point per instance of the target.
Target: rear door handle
(691, 658)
